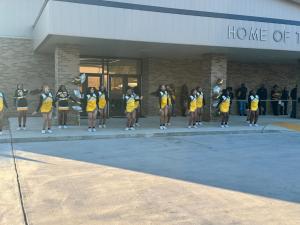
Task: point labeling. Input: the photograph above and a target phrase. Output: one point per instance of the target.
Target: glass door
(119, 84)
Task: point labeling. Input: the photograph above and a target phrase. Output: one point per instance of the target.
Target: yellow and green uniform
(137, 101)
(91, 102)
(20, 99)
(63, 97)
(200, 100)
(46, 103)
(224, 104)
(102, 100)
(169, 100)
(193, 103)
(164, 98)
(130, 103)
(254, 100)
(2, 102)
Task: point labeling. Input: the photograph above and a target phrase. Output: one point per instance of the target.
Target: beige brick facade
(201, 72)
(19, 64)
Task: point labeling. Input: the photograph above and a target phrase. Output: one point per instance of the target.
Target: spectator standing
(263, 96)
(294, 101)
(275, 97)
(242, 99)
(284, 101)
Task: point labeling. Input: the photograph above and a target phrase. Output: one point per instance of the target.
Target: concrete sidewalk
(149, 128)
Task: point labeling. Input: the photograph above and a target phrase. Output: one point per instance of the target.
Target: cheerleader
(62, 98)
(91, 100)
(224, 105)
(130, 109)
(163, 105)
(253, 102)
(192, 109)
(45, 106)
(170, 104)
(137, 102)
(200, 105)
(3, 104)
(22, 105)
(102, 103)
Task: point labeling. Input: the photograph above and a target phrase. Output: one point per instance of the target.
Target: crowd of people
(94, 102)
(279, 100)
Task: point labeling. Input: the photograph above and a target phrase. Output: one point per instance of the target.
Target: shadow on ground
(259, 164)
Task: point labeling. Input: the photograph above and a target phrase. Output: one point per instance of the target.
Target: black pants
(275, 108)
(283, 108)
(294, 109)
(262, 107)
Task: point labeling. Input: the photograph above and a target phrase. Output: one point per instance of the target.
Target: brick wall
(201, 72)
(158, 71)
(19, 64)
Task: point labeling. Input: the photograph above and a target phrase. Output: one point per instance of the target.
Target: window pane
(94, 82)
(132, 82)
(122, 66)
(91, 69)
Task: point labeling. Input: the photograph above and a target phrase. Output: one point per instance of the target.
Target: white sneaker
(100, 126)
(195, 126)
(103, 126)
(94, 130)
(226, 125)
(132, 128)
(49, 131)
(161, 127)
(256, 125)
(222, 126)
(200, 123)
(250, 124)
(19, 128)
(90, 130)
(137, 125)
(43, 131)
(23, 128)
(165, 128)
(65, 127)
(189, 127)
(127, 128)
(59, 126)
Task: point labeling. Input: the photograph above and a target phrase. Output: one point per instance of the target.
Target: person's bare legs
(256, 114)
(49, 120)
(90, 118)
(226, 118)
(1, 121)
(45, 120)
(129, 119)
(24, 118)
(94, 118)
(20, 118)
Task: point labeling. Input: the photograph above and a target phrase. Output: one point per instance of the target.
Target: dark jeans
(283, 109)
(262, 107)
(242, 107)
(275, 106)
(294, 109)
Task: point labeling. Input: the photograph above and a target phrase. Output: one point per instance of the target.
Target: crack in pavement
(17, 178)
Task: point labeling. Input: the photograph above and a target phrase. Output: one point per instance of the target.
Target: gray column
(214, 67)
